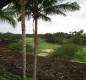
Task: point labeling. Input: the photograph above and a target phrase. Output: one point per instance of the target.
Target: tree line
(76, 37)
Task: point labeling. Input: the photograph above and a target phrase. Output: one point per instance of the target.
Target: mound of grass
(66, 52)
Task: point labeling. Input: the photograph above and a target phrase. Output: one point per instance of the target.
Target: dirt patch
(45, 52)
(47, 68)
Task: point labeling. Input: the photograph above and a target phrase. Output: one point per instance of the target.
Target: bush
(79, 39)
(18, 47)
(9, 37)
(80, 57)
(51, 38)
(10, 76)
(66, 52)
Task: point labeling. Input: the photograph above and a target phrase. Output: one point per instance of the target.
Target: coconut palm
(22, 4)
(42, 8)
(18, 6)
(7, 15)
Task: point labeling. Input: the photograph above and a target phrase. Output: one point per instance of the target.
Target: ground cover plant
(18, 47)
(69, 52)
(10, 76)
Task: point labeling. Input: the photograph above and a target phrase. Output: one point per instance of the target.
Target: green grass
(81, 56)
(42, 44)
(45, 45)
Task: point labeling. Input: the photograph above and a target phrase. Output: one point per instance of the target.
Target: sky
(74, 21)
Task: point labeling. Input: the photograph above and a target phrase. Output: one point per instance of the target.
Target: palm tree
(19, 8)
(42, 8)
(22, 4)
(7, 15)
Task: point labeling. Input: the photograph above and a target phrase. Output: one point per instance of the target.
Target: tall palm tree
(7, 15)
(22, 4)
(42, 8)
(19, 8)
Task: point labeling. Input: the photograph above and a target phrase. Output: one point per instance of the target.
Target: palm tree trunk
(35, 50)
(33, 26)
(22, 2)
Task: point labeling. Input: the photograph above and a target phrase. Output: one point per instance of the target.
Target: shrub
(80, 57)
(65, 52)
(18, 47)
(11, 76)
(9, 37)
(51, 38)
(79, 39)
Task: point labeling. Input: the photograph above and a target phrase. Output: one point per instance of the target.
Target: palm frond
(68, 7)
(4, 17)
(44, 17)
(53, 10)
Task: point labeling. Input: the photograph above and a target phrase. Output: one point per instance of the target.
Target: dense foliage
(18, 47)
(9, 37)
(76, 37)
(67, 52)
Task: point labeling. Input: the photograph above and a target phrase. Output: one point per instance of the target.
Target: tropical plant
(22, 4)
(7, 15)
(41, 9)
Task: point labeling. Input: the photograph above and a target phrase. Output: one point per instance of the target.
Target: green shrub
(66, 52)
(79, 39)
(51, 38)
(18, 47)
(80, 57)
(10, 76)
(9, 37)
(2, 78)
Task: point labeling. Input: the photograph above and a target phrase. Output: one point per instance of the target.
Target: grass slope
(42, 44)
